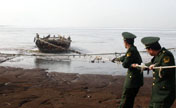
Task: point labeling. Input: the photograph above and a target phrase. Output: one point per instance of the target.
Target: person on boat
(37, 35)
(134, 77)
(48, 36)
(69, 38)
(163, 87)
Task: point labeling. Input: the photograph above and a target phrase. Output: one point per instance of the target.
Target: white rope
(164, 67)
(161, 67)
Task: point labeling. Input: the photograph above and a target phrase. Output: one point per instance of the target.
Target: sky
(89, 13)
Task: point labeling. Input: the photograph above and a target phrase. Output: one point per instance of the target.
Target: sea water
(20, 40)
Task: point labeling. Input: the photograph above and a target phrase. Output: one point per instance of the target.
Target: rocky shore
(36, 88)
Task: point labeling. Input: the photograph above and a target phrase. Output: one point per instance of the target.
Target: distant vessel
(52, 44)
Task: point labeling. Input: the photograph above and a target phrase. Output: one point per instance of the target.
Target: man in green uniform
(134, 77)
(163, 88)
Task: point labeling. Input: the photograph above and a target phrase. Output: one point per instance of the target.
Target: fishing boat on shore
(52, 44)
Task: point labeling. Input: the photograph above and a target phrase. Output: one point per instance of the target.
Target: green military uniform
(163, 88)
(134, 77)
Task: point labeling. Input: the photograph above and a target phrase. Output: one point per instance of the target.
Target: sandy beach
(35, 88)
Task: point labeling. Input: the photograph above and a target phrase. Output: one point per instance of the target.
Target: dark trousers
(162, 102)
(160, 105)
(166, 104)
(128, 97)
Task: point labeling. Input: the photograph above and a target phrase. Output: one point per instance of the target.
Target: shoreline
(36, 88)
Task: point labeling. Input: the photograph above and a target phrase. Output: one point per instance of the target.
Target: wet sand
(35, 88)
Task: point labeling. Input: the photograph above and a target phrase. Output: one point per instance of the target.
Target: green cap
(128, 35)
(149, 41)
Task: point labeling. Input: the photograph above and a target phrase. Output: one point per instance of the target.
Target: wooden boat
(52, 44)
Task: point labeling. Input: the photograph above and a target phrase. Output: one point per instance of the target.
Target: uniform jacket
(134, 77)
(163, 88)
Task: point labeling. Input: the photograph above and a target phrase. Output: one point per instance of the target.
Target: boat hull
(52, 45)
